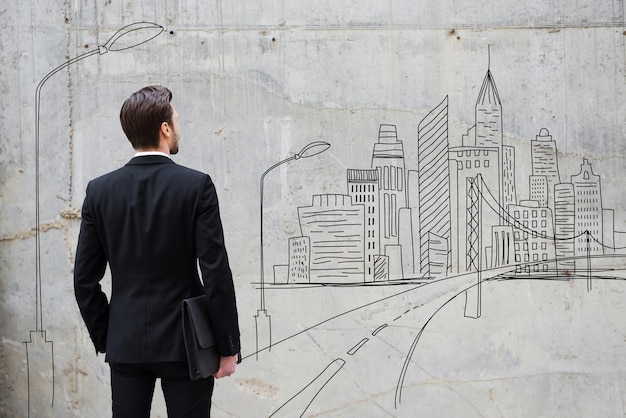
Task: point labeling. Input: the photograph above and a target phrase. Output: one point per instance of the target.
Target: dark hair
(143, 113)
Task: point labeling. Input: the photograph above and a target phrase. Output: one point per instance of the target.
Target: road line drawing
(304, 398)
(356, 348)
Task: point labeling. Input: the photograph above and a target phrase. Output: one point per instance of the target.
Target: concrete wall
(254, 82)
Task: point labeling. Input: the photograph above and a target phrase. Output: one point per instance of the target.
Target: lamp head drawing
(134, 35)
(312, 149)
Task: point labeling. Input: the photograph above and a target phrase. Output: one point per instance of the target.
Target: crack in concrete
(70, 213)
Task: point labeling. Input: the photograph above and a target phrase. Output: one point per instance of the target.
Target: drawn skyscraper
(508, 176)
(363, 189)
(434, 191)
(489, 133)
(544, 165)
(564, 227)
(588, 209)
(488, 113)
(388, 159)
(484, 154)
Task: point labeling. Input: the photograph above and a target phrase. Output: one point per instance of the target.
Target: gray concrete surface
(254, 82)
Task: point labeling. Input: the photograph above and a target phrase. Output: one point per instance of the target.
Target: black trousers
(132, 387)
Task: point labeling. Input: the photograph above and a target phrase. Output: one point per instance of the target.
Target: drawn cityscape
(456, 212)
(456, 216)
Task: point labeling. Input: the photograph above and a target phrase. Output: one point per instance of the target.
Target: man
(154, 222)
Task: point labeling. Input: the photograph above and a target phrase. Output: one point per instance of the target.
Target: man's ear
(165, 129)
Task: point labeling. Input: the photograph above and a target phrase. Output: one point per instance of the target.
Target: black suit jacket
(153, 222)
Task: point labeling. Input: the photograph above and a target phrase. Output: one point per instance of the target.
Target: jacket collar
(150, 159)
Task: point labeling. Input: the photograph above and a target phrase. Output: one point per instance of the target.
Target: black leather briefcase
(204, 360)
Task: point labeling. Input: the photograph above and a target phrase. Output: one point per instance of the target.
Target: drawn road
(378, 340)
(373, 346)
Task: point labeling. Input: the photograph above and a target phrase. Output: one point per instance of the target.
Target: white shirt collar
(144, 153)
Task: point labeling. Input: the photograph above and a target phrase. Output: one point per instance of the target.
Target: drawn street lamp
(262, 319)
(40, 362)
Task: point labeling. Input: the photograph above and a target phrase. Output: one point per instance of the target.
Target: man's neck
(146, 153)
(163, 150)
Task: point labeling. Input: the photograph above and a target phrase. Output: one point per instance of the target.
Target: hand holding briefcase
(204, 360)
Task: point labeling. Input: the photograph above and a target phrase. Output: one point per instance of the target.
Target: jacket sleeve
(89, 268)
(216, 274)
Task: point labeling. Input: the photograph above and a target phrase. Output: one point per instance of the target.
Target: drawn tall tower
(588, 210)
(434, 191)
(488, 131)
(388, 160)
(363, 189)
(489, 114)
(564, 227)
(545, 168)
(483, 152)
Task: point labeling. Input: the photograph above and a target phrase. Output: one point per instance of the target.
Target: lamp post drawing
(129, 36)
(263, 323)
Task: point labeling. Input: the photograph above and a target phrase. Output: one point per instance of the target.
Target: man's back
(145, 217)
(154, 223)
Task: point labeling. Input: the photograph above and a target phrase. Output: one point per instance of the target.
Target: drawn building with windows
(533, 237)
(299, 265)
(508, 176)
(564, 227)
(545, 169)
(363, 189)
(589, 227)
(334, 226)
(388, 160)
(538, 187)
